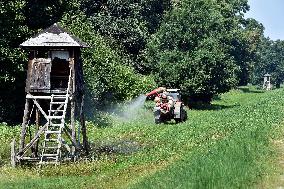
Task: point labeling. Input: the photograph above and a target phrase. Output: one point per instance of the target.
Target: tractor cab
(175, 94)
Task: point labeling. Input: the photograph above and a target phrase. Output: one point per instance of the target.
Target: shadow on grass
(120, 147)
(213, 106)
(249, 90)
(171, 122)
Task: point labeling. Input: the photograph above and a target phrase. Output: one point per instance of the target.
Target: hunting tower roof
(54, 36)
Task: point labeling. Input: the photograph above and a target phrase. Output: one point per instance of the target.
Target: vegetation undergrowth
(226, 145)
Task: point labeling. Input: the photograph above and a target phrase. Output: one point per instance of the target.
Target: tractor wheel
(178, 120)
(185, 116)
(158, 120)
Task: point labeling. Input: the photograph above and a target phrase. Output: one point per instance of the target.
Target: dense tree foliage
(19, 20)
(107, 72)
(43, 14)
(245, 42)
(204, 47)
(12, 31)
(271, 60)
(107, 75)
(127, 23)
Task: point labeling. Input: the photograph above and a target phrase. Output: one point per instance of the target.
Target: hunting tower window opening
(49, 71)
(59, 70)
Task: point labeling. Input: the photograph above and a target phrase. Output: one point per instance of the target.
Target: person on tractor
(168, 105)
(156, 93)
(165, 103)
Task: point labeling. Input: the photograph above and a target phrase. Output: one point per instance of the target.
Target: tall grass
(226, 145)
(238, 156)
(6, 135)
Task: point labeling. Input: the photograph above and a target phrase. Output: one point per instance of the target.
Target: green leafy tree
(189, 51)
(107, 76)
(19, 20)
(242, 36)
(128, 24)
(42, 14)
(205, 47)
(244, 44)
(12, 76)
(271, 61)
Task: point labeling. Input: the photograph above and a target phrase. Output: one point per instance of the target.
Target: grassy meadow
(226, 145)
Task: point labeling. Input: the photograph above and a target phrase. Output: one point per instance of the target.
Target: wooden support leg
(32, 142)
(24, 125)
(13, 154)
(83, 127)
(73, 130)
(35, 146)
(74, 142)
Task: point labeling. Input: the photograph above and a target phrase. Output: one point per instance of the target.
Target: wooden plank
(29, 74)
(66, 145)
(74, 142)
(29, 96)
(43, 60)
(30, 158)
(73, 99)
(73, 130)
(24, 124)
(73, 74)
(41, 110)
(21, 153)
(40, 74)
(47, 75)
(13, 154)
(35, 146)
(83, 127)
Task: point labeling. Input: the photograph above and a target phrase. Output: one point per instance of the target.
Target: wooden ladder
(51, 151)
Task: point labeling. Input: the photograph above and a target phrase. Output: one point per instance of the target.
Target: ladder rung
(51, 140)
(54, 117)
(49, 159)
(48, 162)
(56, 124)
(49, 155)
(52, 132)
(51, 151)
(54, 127)
(57, 102)
(58, 99)
(51, 147)
(59, 96)
(55, 110)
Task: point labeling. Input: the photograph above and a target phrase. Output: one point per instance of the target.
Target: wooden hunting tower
(54, 95)
(266, 82)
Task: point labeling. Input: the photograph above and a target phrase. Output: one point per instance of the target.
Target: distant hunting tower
(266, 82)
(54, 91)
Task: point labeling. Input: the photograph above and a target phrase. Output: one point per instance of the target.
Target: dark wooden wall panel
(40, 74)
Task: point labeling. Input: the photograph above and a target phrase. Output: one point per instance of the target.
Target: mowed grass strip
(224, 146)
(240, 158)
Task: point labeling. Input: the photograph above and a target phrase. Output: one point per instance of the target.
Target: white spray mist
(131, 110)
